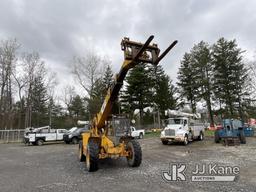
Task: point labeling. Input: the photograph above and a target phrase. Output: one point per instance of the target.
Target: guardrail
(11, 136)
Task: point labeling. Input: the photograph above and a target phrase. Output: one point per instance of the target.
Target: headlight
(180, 135)
(162, 133)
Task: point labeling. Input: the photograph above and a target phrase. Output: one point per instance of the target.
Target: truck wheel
(242, 137)
(92, 156)
(141, 136)
(75, 140)
(165, 142)
(81, 156)
(201, 136)
(67, 142)
(40, 142)
(135, 153)
(185, 142)
(216, 137)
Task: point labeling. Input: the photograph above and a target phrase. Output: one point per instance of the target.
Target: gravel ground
(55, 167)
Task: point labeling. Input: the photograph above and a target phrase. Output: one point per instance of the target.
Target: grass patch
(152, 134)
(209, 133)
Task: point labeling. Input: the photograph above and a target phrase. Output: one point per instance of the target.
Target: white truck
(137, 133)
(37, 136)
(182, 129)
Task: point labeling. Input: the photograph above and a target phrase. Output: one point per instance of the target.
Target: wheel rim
(131, 152)
(186, 140)
(201, 136)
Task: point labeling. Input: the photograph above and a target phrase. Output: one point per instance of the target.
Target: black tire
(185, 142)
(33, 143)
(92, 156)
(67, 142)
(165, 142)
(75, 140)
(39, 142)
(201, 136)
(81, 155)
(216, 137)
(135, 157)
(242, 137)
(141, 136)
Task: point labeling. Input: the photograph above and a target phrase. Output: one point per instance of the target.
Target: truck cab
(181, 129)
(137, 133)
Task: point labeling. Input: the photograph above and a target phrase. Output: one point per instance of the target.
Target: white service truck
(182, 129)
(137, 133)
(37, 136)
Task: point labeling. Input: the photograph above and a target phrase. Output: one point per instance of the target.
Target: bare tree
(252, 75)
(68, 96)
(8, 59)
(33, 67)
(86, 70)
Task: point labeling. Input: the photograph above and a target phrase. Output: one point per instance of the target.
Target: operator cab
(118, 127)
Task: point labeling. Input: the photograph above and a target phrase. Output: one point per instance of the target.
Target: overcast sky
(59, 29)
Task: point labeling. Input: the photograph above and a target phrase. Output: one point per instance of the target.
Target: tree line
(214, 75)
(218, 76)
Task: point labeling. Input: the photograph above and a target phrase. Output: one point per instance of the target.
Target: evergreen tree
(138, 92)
(229, 75)
(202, 67)
(39, 103)
(77, 109)
(108, 78)
(187, 81)
(164, 91)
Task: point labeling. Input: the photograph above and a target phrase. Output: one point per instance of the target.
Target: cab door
(60, 133)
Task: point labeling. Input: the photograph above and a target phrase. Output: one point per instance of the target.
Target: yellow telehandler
(109, 135)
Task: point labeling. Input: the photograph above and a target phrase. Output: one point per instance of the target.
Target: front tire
(216, 137)
(92, 156)
(135, 153)
(164, 142)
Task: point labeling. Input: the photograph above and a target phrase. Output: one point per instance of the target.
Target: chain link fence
(11, 136)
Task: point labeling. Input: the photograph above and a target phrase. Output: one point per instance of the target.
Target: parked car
(74, 135)
(137, 133)
(37, 136)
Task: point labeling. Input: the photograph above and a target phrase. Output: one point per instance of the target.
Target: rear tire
(242, 137)
(92, 156)
(165, 142)
(185, 142)
(216, 137)
(81, 156)
(135, 157)
(75, 140)
(201, 136)
(40, 142)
